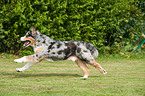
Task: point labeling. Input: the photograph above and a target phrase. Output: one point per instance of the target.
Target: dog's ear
(33, 31)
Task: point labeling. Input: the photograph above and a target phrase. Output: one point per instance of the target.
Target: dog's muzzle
(27, 43)
(22, 38)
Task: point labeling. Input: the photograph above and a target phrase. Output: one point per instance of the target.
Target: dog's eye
(29, 33)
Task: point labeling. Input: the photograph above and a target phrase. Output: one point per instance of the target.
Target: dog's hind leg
(98, 66)
(29, 64)
(84, 67)
(81, 64)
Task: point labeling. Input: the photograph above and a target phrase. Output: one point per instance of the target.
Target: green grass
(126, 77)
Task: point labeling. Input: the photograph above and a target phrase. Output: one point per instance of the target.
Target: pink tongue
(25, 44)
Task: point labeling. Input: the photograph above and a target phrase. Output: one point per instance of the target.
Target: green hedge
(108, 24)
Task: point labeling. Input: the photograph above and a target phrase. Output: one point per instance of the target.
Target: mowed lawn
(126, 77)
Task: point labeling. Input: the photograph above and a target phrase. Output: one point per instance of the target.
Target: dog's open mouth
(27, 43)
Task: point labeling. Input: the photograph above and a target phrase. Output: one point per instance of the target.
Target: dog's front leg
(29, 64)
(30, 58)
(20, 60)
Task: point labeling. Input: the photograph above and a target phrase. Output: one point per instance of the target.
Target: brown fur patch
(31, 59)
(97, 66)
(83, 66)
(33, 31)
(38, 50)
(30, 39)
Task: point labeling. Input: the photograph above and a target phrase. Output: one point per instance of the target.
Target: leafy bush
(101, 22)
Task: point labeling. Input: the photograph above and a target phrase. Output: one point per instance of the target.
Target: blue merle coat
(61, 50)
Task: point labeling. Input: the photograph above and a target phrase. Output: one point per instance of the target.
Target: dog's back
(64, 49)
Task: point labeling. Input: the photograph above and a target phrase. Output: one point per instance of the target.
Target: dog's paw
(85, 77)
(104, 72)
(19, 69)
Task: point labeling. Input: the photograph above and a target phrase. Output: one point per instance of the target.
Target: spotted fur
(45, 47)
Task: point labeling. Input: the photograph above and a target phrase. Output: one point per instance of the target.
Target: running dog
(46, 48)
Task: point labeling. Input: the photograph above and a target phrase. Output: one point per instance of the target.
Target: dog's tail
(92, 49)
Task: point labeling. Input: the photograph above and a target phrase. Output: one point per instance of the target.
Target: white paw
(85, 76)
(104, 72)
(19, 69)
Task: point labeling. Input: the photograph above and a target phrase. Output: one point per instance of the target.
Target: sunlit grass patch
(125, 77)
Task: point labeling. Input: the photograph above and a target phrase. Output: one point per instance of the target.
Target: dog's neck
(42, 39)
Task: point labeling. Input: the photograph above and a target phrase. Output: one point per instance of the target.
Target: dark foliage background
(113, 26)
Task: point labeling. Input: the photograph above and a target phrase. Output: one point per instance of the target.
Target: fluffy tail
(92, 49)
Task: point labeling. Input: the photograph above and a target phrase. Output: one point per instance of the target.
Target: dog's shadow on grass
(20, 75)
(47, 75)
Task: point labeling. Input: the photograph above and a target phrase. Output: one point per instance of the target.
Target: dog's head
(29, 38)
